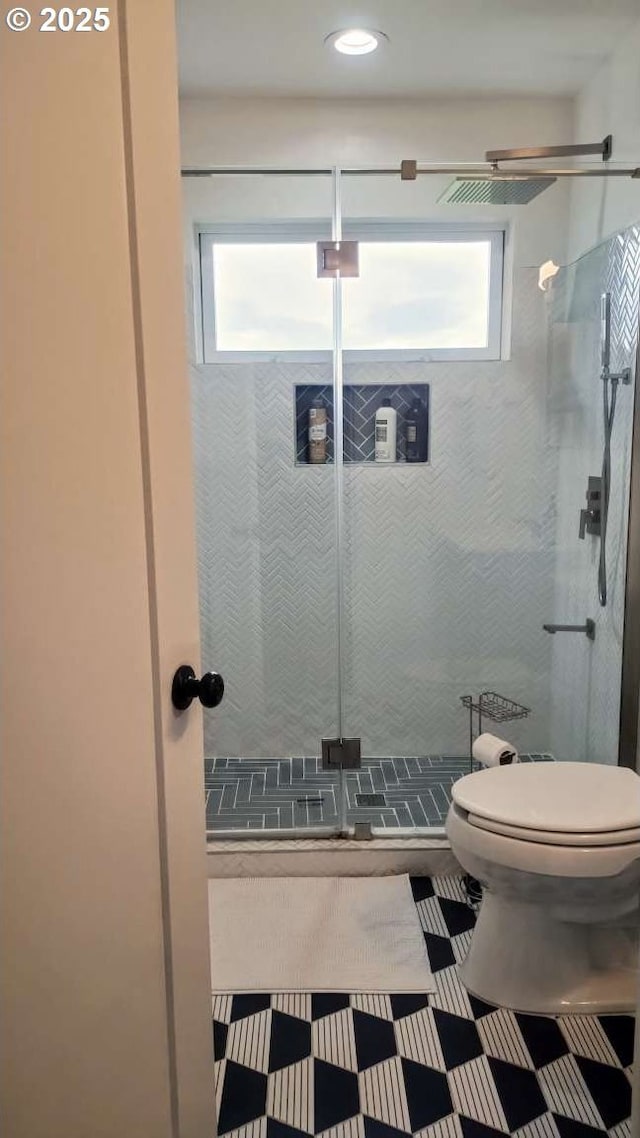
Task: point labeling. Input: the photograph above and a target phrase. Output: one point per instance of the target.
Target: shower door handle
(186, 687)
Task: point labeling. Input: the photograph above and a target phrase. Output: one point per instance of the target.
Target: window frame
(367, 231)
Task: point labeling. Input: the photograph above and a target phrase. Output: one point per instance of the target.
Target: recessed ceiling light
(356, 41)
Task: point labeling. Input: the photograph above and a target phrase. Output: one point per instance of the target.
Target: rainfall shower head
(494, 189)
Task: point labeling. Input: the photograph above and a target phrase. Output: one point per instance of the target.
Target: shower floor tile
(440, 1066)
(281, 794)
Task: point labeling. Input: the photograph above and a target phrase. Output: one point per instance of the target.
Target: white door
(106, 1011)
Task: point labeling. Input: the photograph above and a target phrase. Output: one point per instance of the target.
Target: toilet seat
(553, 837)
(558, 803)
(535, 853)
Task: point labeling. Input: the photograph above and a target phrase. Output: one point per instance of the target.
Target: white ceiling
(453, 47)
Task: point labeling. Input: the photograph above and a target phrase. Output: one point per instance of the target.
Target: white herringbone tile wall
(449, 568)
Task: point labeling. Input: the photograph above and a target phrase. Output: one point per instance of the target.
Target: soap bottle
(385, 432)
(416, 432)
(317, 432)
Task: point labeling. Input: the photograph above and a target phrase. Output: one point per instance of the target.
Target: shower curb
(305, 857)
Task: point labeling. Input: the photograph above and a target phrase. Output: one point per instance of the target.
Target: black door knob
(186, 687)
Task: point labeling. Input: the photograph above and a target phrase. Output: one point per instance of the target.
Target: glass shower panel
(461, 548)
(586, 685)
(261, 371)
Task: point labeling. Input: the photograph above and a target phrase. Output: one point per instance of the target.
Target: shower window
(423, 291)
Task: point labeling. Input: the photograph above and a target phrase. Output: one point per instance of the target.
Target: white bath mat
(316, 934)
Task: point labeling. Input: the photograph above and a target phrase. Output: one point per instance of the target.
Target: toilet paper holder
(494, 707)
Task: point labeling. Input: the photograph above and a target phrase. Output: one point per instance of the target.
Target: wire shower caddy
(494, 707)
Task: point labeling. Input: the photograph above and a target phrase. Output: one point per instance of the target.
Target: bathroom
(320, 806)
(372, 617)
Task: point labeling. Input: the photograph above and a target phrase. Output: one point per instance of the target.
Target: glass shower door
(262, 376)
(472, 430)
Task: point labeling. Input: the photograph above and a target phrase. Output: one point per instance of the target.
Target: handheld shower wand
(610, 381)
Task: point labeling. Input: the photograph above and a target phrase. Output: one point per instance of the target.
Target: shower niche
(361, 401)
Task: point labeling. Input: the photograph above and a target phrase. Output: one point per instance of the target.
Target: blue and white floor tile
(440, 1066)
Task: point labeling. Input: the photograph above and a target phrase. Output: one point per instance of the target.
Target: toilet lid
(584, 798)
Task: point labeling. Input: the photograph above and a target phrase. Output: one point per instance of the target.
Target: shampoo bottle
(385, 432)
(415, 432)
(317, 432)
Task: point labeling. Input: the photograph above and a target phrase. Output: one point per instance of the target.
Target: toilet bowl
(557, 849)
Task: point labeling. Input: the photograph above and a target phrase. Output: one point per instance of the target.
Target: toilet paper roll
(493, 752)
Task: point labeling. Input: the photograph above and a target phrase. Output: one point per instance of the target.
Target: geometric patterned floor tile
(326, 1003)
(249, 1040)
(449, 1127)
(567, 1093)
(440, 952)
(289, 1097)
(244, 1096)
(501, 1038)
(459, 1038)
(447, 1065)
(375, 1039)
(475, 1095)
(255, 1129)
(352, 1128)
(431, 917)
(621, 1131)
(221, 1008)
(290, 1041)
(569, 1128)
(619, 1031)
(460, 945)
(383, 1095)
(417, 1038)
(296, 1004)
(586, 1036)
(336, 1095)
(519, 1092)
(334, 1040)
(277, 1129)
(428, 1094)
(403, 1004)
(374, 1004)
(450, 994)
(542, 1127)
(544, 1038)
(375, 1129)
(609, 1088)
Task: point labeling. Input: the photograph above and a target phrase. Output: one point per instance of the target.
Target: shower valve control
(590, 517)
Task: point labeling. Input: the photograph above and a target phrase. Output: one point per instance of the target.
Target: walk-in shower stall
(357, 607)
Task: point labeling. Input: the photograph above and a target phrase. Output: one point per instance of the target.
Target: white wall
(608, 104)
(308, 132)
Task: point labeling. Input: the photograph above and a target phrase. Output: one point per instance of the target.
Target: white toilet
(557, 848)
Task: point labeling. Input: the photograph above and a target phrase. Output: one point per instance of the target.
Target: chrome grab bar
(588, 628)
